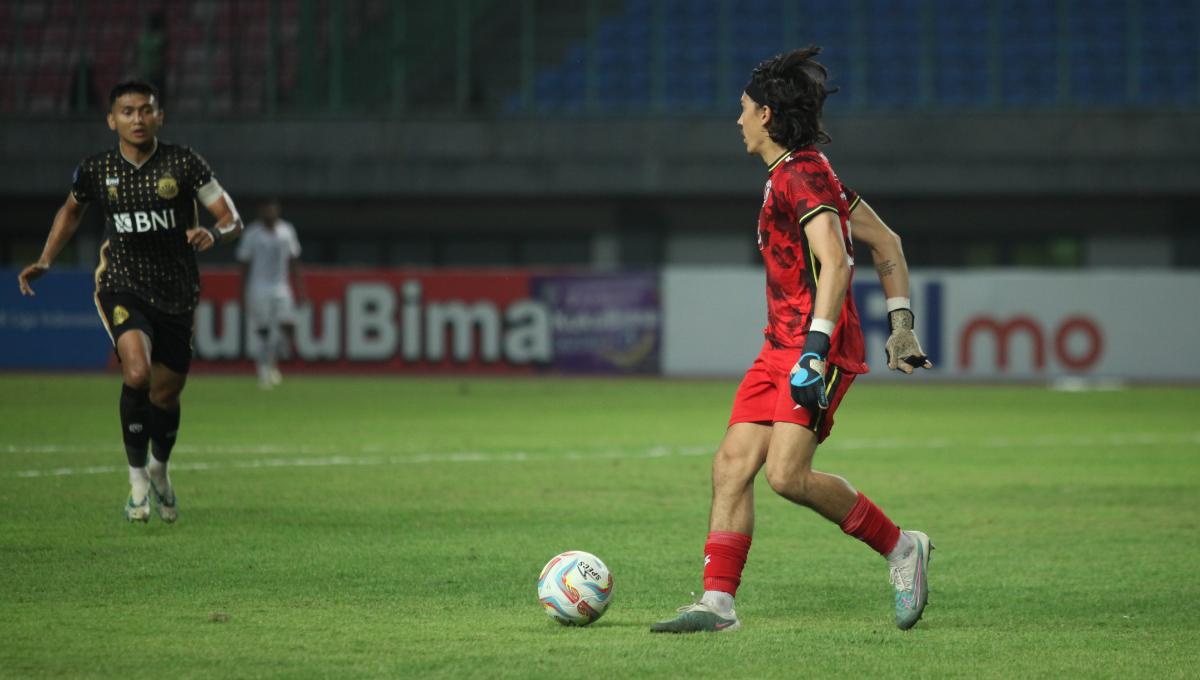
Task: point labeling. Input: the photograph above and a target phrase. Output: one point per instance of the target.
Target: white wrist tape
(234, 224)
(898, 303)
(209, 193)
(823, 325)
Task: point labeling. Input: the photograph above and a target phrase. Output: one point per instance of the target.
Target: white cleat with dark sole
(698, 618)
(167, 511)
(137, 512)
(910, 579)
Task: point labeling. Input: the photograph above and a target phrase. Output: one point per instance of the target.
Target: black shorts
(170, 334)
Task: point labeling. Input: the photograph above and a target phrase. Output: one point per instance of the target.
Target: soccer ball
(575, 588)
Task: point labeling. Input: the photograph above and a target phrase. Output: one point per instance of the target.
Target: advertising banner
(1135, 325)
(603, 323)
(429, 321)
(993, 325)
(58, 328)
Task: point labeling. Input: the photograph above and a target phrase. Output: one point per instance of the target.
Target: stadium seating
(214, 60)
(644, 56)
(890, 55)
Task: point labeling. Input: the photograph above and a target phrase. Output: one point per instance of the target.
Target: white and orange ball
(575, 588)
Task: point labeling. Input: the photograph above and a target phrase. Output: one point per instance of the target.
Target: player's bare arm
(903, 349)
(886, 249)
(807, 377)
(66, 221)
(227, 228)
(824, 234)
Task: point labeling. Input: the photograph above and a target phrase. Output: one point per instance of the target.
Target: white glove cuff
(898, 303)
(823, 325)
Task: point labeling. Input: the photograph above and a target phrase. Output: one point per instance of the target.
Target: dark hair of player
(134, 86)
(793, 85)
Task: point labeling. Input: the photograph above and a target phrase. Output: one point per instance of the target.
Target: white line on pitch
(1045, 441)
(340, 461)
(319, 457)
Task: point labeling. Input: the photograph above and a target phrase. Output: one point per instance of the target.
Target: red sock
(867, 523)
(724, 557)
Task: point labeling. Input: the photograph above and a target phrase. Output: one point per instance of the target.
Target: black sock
(164, 425)
(135, 426)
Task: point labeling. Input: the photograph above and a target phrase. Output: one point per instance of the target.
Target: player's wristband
(216, 234)
(894, 303)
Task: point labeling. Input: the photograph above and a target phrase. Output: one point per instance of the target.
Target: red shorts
(765, 395)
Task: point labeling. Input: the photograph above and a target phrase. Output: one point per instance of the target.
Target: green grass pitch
(380, 527)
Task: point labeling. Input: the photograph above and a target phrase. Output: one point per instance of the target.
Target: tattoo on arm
(885, 268)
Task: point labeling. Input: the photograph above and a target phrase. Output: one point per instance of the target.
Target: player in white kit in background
(269, 252)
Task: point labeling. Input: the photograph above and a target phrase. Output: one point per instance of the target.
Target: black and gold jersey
(147, 212)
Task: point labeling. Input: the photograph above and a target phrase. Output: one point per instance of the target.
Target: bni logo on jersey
(142, 221)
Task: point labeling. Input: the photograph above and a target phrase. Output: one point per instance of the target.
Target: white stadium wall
(992, 325)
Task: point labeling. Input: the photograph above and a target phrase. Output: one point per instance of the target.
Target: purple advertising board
(603, 323)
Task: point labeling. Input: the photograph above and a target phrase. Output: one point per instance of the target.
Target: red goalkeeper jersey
(800, 186)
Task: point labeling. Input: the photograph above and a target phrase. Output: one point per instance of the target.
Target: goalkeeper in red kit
(813, 350)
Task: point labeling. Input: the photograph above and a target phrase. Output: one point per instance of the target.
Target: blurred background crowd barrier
(1040, 159)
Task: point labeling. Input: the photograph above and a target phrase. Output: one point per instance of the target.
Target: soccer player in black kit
(147, 282)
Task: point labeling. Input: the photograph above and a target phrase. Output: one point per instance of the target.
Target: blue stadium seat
(959, 35)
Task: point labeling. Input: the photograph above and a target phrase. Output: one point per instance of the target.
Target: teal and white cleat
(698, 618)
(137, 512)
(165, 503)
(911, 582)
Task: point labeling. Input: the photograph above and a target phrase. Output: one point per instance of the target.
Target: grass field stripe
(1073, 441)
(1142, 439)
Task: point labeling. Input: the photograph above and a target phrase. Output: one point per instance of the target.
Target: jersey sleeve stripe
(855, 202)
(813, 270)
(814, 212)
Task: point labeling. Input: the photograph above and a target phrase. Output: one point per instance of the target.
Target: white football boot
(167, 511)
(909, 577)
(137, 511)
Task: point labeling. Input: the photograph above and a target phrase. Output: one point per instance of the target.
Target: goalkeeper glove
(808, 375)
(903, 350)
